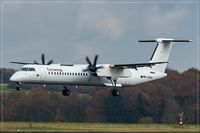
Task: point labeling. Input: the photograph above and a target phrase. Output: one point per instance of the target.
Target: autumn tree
(15, 106)
(114, 109)
(160, 111)
(95, 109)
(158, 101)
(140, 109)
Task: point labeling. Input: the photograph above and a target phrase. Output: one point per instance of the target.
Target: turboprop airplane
(93, 74)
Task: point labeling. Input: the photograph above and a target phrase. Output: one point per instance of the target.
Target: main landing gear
(18, 87)
(66, 92)
(115, 91)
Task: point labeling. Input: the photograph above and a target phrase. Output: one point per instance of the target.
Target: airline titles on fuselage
(59, 71)
(54, 69)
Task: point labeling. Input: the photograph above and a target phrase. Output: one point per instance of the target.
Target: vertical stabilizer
(162, 52)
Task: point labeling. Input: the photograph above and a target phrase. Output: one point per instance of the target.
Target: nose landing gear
(18, 87)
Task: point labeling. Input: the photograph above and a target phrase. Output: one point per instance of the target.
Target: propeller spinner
(92, 67)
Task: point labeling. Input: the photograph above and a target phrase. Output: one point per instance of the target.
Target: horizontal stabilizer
(146, 40)
(165, 40)
(177, 41)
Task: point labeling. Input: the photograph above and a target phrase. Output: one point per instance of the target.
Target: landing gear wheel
(115, 92)
(18, 88)
(66, 92)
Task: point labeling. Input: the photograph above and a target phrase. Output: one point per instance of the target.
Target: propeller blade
(50, 62)
(43, 59)
(88, 60)
(95, 60)
(35, 62)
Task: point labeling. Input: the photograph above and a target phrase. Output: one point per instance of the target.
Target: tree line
(155, 102)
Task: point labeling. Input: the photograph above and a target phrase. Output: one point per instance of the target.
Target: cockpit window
(24, 69)
(31, 69)
(27, 69)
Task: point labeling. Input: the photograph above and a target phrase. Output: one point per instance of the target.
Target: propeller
(35, 62)
(92, 67)
(43, 60)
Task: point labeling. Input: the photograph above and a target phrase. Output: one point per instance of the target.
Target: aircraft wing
(135, 66)
(24, 63)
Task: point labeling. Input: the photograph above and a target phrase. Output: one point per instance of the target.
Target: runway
(104, 132)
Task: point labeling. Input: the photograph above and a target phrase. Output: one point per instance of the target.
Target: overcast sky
(67, 31)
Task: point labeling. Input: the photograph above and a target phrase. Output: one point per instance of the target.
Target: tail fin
(162, 52)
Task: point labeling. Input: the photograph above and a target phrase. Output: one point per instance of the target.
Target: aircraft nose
(16, 77)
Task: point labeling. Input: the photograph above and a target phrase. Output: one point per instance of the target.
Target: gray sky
(67, 31)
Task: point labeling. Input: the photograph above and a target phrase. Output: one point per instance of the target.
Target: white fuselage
(74, 75)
